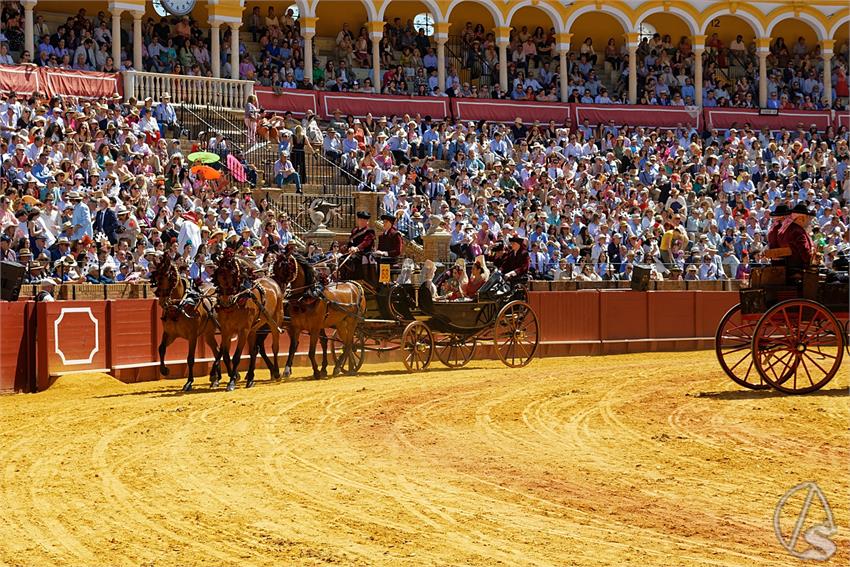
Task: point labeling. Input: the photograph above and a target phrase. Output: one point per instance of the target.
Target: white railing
(184, 89)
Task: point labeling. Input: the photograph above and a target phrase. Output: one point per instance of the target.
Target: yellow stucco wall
(332, 13)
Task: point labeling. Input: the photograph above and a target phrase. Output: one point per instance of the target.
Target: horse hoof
(276, 375)
(249, 383)
(214, 384)
(163, 370)
(337, 372)
(187, 387)
(287, 372)
(231, 386)
(323, 374)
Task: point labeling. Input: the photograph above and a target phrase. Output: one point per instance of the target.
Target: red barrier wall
(26, 79)
(356, 104)
(42, 341)
(509, 110)
(650, 116)
(297, 102)
(788, 119)
(17, 349)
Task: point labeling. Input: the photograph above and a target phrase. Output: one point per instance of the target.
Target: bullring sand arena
(650, 460)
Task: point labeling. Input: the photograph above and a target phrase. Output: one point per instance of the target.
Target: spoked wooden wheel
(352, 364)
(798, 346)
(516, 334)
(417, 344)
(455, 351)
(733, 346)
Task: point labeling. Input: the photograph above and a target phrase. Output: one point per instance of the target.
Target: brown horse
(340, 307)
(244, 307)
(186, 314)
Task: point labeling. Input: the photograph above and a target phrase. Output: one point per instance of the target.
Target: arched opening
(596, 57)
(533, 49)
(342, 40)
(793, 39)
(729, 51)
(665, 49)
(471, 49)
(411, 49)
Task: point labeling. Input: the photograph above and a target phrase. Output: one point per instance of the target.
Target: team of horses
(244, 307)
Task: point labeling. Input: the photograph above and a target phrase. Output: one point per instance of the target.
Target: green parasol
(203, 157)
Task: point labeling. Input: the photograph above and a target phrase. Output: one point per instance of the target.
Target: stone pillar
(369, 201)
(137, 41)
(29, 29)
(632, 39)
(436, 245)
(308, 32)
(215, 48)
(503, 39)
(441, 64)
(826, 52)
(763, 50)
(441, 36)
(563, 52)
(376, 33)
(234, 50)
(699, 49)
(116, 36)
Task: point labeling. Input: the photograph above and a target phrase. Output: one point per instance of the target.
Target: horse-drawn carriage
(402, 315)
(789, 330)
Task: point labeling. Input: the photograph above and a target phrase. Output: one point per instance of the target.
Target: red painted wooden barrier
(121, 337)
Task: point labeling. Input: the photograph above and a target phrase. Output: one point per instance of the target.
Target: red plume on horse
(245, 306)
(186, 314)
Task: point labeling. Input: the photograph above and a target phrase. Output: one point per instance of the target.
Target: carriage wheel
(455, 351)
(798, 346)
(417, 343)
(516, 334)
(733, 346)
(352, 364)
(399, 303)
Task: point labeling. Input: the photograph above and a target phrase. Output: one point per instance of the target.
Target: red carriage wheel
(798, 346)
(417, 344)
(733, 346)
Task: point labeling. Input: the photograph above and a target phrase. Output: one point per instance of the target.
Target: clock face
(178, 7)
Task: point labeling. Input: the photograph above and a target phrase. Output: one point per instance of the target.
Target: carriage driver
(360, 244)
(515, 263)
(793, 233)
(389, 241)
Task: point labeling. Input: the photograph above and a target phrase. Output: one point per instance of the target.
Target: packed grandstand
(94, 188)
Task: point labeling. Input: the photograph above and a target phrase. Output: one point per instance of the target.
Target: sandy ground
(652, 459)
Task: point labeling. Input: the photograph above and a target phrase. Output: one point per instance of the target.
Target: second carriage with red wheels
(789, 331)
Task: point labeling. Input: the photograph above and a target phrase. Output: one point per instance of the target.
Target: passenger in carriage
(452, 287)
(480, 275)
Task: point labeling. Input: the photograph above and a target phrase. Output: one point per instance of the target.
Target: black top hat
(386, 217)
(781, 211)
(363, 215)
(803, 209)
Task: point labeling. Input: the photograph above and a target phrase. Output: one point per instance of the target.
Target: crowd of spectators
(665, 67)
(91, 191)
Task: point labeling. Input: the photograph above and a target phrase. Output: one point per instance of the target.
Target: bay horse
(244, 307)
(186, 314)
(340, 307)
